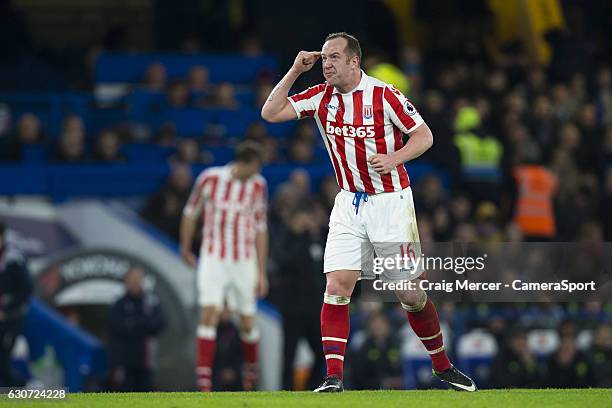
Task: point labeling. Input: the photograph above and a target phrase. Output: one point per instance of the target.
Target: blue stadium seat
(141, 103)
(235, 122)
(146, 153)
(130, 68)
(189, 122)
(281, 130)
(34, 154)
(101, 119)
(221, 154)
(245, 97)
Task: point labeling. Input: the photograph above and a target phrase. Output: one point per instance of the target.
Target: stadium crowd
(497, 123)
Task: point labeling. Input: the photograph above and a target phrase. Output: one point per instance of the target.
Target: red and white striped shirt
(356, 125)
(234, 211)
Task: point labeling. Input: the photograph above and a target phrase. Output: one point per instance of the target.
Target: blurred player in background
(232, 262)
(15, 291)
(362, 120)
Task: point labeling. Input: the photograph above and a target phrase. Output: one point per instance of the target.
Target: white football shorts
(382, 230)
(235, 281)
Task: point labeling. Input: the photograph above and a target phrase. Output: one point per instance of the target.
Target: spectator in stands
(71, 143)
(306, 130)
(600, 355)
(301, 180)
(515, 365)
(376, 364)
(328, 191)
(564, 107)
(198, 81)
(570, 143)
(411, 64)
(164, 208)
(258, 133)
(568, 367)
(495, 87)
(177, 95)
(522, 147)
(298, 257)
(15, 292)
(262, 93)
(188, 152)
(73, 123)
(430, 194)
(167, 135)
(155, 77)
(481, 155)
(604, 94)
(460, 209)
(225, 97)
(606, 205)
(251, 46)
(108, 148)
(28, 133)
(285, 201)
(227, 368)
(543, 125)
(136, 320)
(536, 84)
(301, 151)
(486, 222)
(435, 112)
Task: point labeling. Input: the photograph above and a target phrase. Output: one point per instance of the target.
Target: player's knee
(411, 297)
(209, 315)
(247, 323)
(338, 287)
(412, 300)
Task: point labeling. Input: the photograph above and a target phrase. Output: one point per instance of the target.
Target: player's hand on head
(305, 60)
(382, 163)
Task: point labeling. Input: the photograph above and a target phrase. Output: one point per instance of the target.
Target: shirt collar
(360, 87)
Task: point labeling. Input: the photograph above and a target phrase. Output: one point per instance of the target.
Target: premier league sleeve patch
(409, 109)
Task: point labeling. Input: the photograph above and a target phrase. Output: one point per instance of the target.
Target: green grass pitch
(590, 398)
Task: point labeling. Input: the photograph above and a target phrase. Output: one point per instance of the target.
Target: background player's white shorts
(382, 225)
(234, 281)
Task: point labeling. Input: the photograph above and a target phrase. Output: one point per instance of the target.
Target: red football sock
(335, 328)
(250, 342)
(249, 350)
(426, 325)
(206, 357)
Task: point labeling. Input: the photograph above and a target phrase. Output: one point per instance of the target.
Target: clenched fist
(305, 60)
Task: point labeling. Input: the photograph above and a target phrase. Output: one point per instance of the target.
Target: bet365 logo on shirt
(349, 130)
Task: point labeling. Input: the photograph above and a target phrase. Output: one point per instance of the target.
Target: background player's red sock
(250, 342)
(335, 328)
(206, 356)
(423, 318)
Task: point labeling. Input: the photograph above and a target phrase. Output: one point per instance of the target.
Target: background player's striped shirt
(357, 125)
(233, 211)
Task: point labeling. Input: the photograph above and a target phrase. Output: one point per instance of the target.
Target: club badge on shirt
(367, 111)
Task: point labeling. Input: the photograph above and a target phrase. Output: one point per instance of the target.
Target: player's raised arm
(277, 107)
